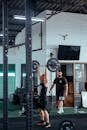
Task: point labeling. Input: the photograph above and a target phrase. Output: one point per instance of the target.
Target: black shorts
(60, 95)
(42, 104)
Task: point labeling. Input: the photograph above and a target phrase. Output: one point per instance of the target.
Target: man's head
(59, 73)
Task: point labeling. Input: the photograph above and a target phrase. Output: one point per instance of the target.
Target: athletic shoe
(47, 125)
(60, 111)
(23, 114)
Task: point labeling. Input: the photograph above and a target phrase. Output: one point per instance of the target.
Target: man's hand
(49, 91)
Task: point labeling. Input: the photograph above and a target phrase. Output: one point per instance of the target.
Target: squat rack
(28, 46)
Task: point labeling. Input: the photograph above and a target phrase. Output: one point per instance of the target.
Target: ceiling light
(1, 35)
(19, 17)
(37, 19)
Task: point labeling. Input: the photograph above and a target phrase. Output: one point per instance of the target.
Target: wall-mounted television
(67, 52)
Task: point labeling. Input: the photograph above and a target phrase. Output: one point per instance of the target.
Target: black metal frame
(28, 46)
(5, 64)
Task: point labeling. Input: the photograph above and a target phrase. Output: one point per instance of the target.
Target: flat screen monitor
(67, 52)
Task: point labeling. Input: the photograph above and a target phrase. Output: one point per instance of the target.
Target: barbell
(52, 64)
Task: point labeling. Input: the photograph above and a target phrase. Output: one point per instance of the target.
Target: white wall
(72, 24)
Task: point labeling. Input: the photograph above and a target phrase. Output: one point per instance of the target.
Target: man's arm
(45, 71)
(51, 87)
(45, 77)
(38, 71)
(66, 89)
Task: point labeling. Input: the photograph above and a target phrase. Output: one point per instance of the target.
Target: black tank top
(43, 91)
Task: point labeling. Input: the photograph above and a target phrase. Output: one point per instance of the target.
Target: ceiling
(17, 7)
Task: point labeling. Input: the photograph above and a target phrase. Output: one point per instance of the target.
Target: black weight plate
(52, 64)
(67, 125)
(35, 65)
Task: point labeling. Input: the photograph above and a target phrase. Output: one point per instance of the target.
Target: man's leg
(46, 114)
(41, 114)
(60, 106)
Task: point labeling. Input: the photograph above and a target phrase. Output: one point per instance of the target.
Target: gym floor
(17, 122)
(80, 122)
(67, 111)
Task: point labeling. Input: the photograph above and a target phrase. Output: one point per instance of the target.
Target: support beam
(5, 64)
(28, 46)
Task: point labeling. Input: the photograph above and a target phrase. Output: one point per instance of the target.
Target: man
(42, 106)
(61, 90)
